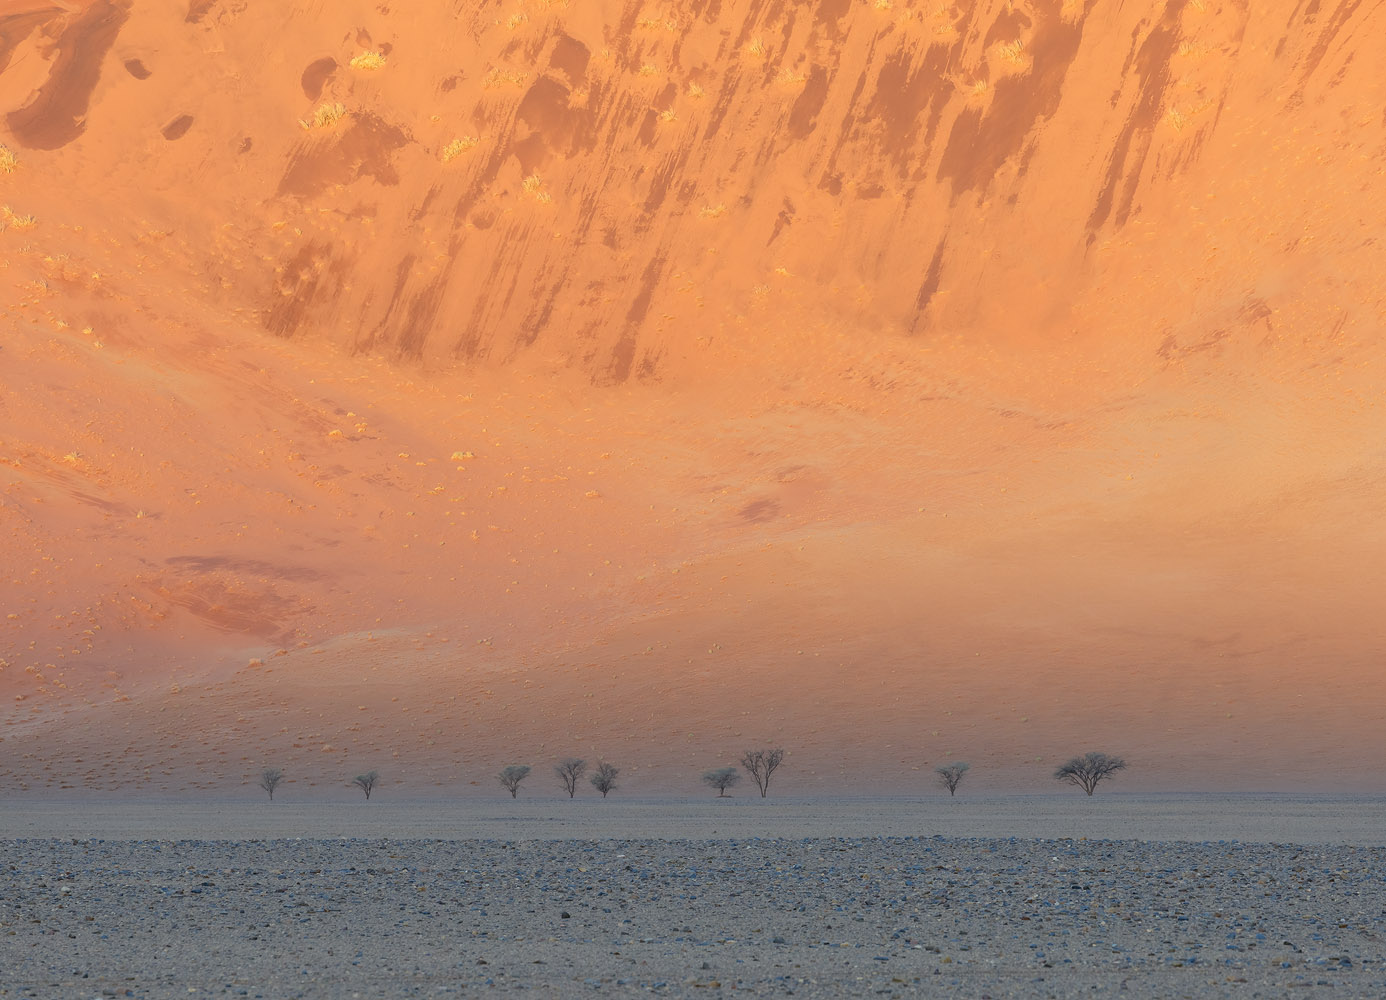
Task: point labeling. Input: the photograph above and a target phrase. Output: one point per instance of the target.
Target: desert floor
(1004, 896)
(429, 387)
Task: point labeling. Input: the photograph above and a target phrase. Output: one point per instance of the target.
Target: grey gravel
(807, 917)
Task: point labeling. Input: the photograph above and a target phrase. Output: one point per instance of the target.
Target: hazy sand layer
(812, 917)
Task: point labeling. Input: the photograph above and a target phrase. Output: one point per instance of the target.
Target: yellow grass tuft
(668, 116)
(369, 60)
(326, 116)
(8, 220)
(496, 77)
(1014, 52)
(665, 23)
(757, 47)
(695, 91)
(457, 147)
(1180, 118)
(713, 211)
(515, 20)
(8, 161)
(534, 186)
(649, 69)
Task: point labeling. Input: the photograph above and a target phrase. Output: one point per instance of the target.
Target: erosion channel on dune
(428, 387)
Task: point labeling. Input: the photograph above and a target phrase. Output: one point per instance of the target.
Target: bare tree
(604, 779)
(569, 769)
(511, 777)
(366, 782)
(270, 779)
(1086, 771)
(762, 764)
(721, 778)
(951, 775)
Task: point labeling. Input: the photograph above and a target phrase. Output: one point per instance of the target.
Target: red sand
(895, 383)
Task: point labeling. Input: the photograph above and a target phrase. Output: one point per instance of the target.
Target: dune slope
(430, 389)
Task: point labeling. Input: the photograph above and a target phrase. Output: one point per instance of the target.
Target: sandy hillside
(429, 389)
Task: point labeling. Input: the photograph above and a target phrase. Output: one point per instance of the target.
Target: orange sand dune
(433, 389)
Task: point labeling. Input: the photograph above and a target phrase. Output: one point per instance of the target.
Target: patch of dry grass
(9, 220)
(1014, 52)
(458, 146)
(534, 187)
(369, 61)
(1180, 118)
(8, 161)
(499, 76)
(663, 22)
(326, 116)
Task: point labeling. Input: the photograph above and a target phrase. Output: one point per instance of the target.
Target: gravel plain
(139, 904)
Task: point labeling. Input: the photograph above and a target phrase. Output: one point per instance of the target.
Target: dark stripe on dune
(198, 9)
(14, 28)
(56, 114)
(178, 128)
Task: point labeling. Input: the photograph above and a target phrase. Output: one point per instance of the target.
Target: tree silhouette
(604, 778)
(366, 782)
(1086, 771)
(951, 775)
(270, 779)
(511, 777)
(761, 764)
(721, 779)
(569, 769)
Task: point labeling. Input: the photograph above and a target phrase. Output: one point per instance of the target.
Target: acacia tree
(761, 764)
(951, 775)
(1086, 771)
(270, 779)
(604, 778)
(569, 769)
(721, 778)
(366, 782)
(511, 777)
